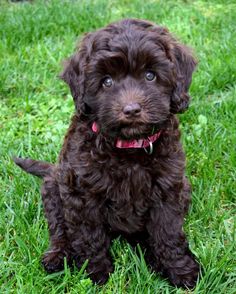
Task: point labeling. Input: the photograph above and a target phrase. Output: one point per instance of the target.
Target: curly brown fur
(97, 190)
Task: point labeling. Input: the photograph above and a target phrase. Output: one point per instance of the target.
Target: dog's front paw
(99, 278)
(184, 272)
(53, 260)
(98, 272)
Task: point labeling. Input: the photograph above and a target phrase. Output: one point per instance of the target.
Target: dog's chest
(127, 199)
(121, 188)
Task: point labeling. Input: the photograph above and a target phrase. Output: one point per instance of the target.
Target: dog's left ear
(185, 63)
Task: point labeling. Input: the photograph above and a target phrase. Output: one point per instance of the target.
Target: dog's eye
(107, 82)
(150, 76)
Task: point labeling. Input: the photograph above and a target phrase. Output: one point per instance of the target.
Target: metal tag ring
(149, 152)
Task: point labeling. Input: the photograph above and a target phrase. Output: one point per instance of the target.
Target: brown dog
(121, 168)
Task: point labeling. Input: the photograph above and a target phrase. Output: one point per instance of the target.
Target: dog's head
(129, 77)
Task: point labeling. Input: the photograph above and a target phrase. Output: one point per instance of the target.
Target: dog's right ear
(70, 75)
(73, 75)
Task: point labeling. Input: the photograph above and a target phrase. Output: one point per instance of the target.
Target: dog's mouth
(134, 131)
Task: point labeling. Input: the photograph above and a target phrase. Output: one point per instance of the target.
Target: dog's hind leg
(53, 259)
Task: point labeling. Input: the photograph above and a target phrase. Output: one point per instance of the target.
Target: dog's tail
(34, 167)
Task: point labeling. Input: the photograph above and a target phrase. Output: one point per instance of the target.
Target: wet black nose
(132, 109)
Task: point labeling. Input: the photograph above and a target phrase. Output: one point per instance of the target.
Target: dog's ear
(185, 64)
(73, 75)
(70, 75)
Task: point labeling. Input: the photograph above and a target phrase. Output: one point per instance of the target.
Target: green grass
(35, 108)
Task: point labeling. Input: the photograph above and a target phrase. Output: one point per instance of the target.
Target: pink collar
(141, 143)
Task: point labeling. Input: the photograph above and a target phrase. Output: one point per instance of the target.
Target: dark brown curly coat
(131, 78)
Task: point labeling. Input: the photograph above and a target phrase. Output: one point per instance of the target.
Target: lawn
(35, 108)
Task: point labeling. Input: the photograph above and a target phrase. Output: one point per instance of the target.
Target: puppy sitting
(121, 168)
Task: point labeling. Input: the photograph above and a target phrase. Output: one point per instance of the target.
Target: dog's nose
(132, 109)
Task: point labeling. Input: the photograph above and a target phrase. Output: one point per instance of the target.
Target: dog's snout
(132, 109)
